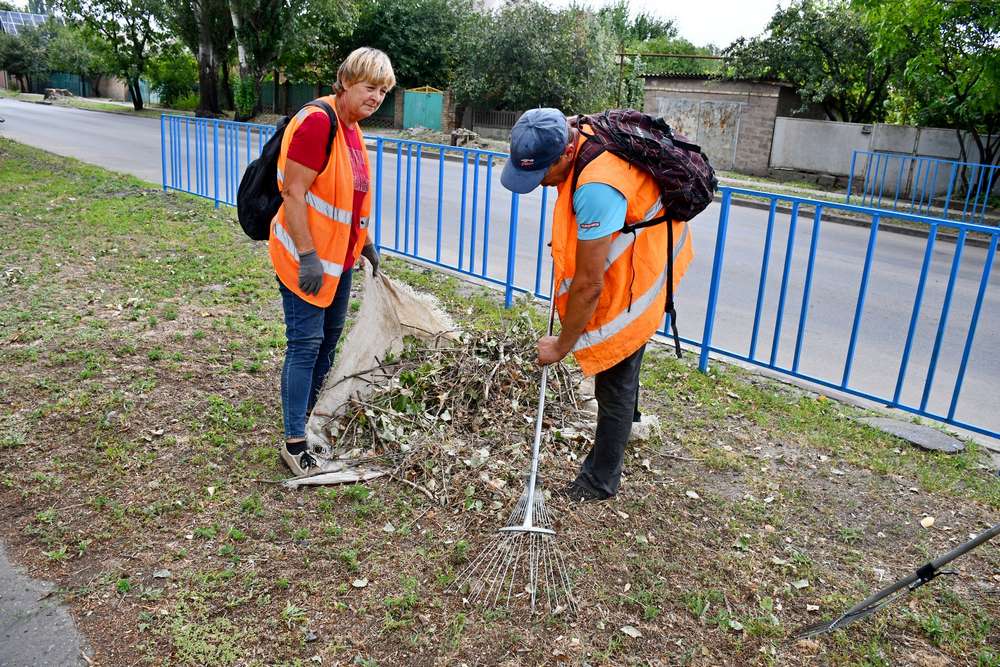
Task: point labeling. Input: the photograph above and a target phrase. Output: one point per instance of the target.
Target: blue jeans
(312, 334)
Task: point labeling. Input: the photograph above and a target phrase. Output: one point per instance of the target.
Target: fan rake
(524, 559)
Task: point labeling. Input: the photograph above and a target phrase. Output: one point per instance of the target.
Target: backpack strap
(332, 115)
(591, 147)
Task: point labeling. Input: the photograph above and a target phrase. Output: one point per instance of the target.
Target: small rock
(693, 495)
(927, 521)
(360, 583)
(161, 574)
(310, 636)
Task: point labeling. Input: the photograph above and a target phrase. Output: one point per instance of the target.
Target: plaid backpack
(686, 179)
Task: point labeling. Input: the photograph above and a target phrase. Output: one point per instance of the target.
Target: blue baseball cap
(537, 140)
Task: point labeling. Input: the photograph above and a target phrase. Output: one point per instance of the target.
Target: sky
(704, 22)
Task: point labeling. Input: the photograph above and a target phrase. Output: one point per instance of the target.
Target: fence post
(163, 151)
(379, 145)
(850, 179)
(215, 159)
(713, 290)
(508, 297)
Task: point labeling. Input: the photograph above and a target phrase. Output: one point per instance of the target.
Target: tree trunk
(208, 69)
(241, 52)
(136, 90)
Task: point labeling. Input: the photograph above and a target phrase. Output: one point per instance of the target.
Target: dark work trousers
(617, 393)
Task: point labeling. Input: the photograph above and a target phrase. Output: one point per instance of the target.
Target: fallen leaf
(801, 583)
(631, 632)
(360, 583)
(927, 521)
(812, 607)
(692, 495)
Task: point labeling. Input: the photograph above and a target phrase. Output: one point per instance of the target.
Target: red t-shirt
(308, 148)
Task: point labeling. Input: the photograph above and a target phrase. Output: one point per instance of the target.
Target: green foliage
(952, 72)
(244, 96)
(173, 74)
(320, 38)
(825, 50)
(75, 50)
(418, 35)
(129, 30)
(25, 55)
(508, 66)
(630, 31)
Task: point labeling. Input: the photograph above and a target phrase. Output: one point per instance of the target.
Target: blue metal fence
(440, 205)
(922, 316)
(206, 157)
(922, 185)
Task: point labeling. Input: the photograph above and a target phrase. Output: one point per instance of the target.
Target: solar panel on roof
(10, 21)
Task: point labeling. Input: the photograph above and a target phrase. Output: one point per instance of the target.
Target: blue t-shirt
(600, 211)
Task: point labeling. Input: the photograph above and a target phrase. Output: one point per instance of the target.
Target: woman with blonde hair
(319, 233)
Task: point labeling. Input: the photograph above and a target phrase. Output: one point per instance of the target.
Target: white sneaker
(646, 428)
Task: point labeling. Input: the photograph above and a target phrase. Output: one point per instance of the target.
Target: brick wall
(733, 121)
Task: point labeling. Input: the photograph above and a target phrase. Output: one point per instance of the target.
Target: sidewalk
(36, 630)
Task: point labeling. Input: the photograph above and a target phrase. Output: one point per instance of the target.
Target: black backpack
(681, 169)
(258, 198)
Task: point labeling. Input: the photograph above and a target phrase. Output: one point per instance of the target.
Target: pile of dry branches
(455, 419)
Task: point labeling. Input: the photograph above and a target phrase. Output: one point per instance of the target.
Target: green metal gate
(422, 108)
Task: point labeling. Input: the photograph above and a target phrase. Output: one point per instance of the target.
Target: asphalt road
(132, 145)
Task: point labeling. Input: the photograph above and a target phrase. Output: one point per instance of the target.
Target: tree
(206, 29)
(262, 28)
(509, 66)
(7, 7)
(173, 74)
(419, 36)
(825, 50)
(952, 75)
(321, 36)
(631, 31)
(24, 55)
(72, 49)
(128, 28)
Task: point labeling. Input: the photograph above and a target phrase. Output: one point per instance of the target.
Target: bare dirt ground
(141, 340)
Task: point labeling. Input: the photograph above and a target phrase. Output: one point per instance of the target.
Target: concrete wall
(817, 145)
(826, 147)
(733, 121)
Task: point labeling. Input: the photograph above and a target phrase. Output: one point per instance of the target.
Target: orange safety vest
(631, 306)
(328, 210)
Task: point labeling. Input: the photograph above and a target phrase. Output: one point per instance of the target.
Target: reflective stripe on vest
(329, 268)
(621, 244)
(630, 307)
(328, 208)
(625, 318)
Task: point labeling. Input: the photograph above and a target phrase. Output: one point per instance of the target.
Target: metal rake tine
(513, 575)
(481, 563)
(503, 567)
(500, 548)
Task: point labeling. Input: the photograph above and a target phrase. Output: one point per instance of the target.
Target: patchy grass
(140, 345)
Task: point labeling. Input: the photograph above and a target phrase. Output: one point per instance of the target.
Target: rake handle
(536, 444)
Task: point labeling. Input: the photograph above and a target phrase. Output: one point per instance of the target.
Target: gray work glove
(371, 254)
(310, 272)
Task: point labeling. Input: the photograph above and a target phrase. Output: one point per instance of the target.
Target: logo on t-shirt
(589, 225)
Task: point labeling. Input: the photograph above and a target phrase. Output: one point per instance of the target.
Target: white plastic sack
(389, 312)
